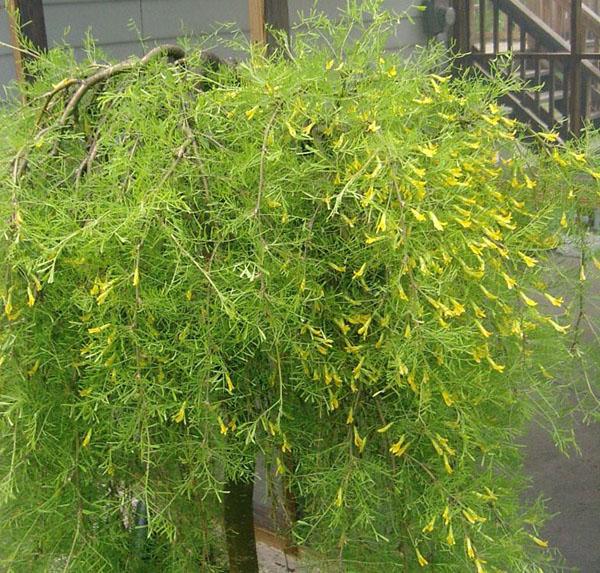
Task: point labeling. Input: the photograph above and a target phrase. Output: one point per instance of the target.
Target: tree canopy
(333, 256)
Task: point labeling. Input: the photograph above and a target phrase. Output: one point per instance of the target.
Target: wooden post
(264, 14)
(575, 63)
(26, 21)
(239, 527)
(462, 26)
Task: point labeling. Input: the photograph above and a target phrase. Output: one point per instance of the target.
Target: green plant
(334, 259)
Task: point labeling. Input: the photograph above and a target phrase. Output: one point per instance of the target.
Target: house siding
(118, 25)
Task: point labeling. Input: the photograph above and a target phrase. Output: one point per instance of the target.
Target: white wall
(160, 21)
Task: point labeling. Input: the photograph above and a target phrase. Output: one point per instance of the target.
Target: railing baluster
(566, 91)
(482, 40)
(496, 27)
(522, 48)
(509, 33)
(551, 89)
(537, 80)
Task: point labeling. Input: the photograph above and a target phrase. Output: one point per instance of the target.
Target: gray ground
(572, 485)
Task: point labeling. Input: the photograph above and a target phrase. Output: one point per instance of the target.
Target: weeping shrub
(332, 256)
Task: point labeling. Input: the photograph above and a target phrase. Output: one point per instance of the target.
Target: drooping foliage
(333, 256)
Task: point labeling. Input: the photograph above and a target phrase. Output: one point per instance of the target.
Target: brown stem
(239, 527)
(174, 52)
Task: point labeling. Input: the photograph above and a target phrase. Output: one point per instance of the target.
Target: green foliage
(333, 258)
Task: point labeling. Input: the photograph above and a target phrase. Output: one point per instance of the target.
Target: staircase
(538, 33)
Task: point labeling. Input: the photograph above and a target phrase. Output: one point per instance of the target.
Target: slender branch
(580, 301)
(59, 87)
(168, 50)
(228, 310)
(263, 154)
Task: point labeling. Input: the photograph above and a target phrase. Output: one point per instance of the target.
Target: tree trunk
(239, 527)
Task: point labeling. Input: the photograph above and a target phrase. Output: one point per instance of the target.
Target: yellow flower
(495, 366)
(401, 293)
(447, 465)
(488, 294)
(448, 399)
(341, 325)
(551, 137)
(329, 64)
(530, 183)
(539, 542)
(558, 327)
(436, 222)
(553, 300)
(423, 101)
(422, 561)
(350, 418)
(373, 127)
(450, 537)
(417, 215)
(482, 329)
(472, 517)
(470, 548)
(437, 447)
(428, 150)
(180, 416)
(411, 382)
(370, 240)
(98, 329)
(360, 272)
(339, 142)
(136, 277)
(527, 300)
(563, 221)
(400, 446)
(291, 130)
(446, 515)
(385, 428)
(510, 282)
(382, 224)
(357, 369)
(463, 222)
(359, 442)
(478, 312)
(280, 467)
(230, 385)
(87, 438)
(252, 112)
(429, 527)
(30, 297)
(222, 426)
(392, 72)
(529, 261)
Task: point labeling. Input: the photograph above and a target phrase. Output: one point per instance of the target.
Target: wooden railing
(557, 14)
(538, 34)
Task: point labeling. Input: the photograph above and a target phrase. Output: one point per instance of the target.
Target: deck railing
(538, 33)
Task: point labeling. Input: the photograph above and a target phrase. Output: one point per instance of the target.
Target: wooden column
(26, 22)
(264, 14)
(575, 76)
(462, 26)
